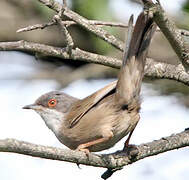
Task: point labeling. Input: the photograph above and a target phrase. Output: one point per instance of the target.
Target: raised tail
(132, 70)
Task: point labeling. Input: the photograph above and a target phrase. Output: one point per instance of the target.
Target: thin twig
(69, 23)
(36, 26)
(184, 32)
(69, 40)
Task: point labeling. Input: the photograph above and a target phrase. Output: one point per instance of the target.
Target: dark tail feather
(128, 41)
(132, 70)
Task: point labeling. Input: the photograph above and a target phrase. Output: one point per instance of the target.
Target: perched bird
(100, 120)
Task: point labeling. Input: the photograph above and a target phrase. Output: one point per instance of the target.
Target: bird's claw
(82, 149)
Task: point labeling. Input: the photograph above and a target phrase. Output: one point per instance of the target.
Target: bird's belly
(120, 130)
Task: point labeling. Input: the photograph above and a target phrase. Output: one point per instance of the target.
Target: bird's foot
(131, 150)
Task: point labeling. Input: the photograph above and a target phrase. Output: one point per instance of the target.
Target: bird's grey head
(52, 107)
(54, 100)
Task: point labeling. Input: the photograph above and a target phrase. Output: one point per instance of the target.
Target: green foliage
(186, 7)
(91, 9)
(43, 11)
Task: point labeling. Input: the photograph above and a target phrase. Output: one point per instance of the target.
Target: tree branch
(69, 40)
(37, 26)
(169, 29)
(184, 32)
(152, 69)
(161, 70)
(173, 35)
(46, 50)
(101, 33)
(115, 160)
(69, 23)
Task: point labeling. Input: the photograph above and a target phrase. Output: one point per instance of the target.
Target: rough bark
(153, 69)
(115, 160)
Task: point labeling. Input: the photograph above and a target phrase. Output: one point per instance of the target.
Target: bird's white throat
(53, 119)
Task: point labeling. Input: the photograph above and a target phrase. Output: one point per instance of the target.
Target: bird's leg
(130, 149)
(126, 145)
(84, 147)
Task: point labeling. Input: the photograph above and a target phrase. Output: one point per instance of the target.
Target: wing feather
(81, 107)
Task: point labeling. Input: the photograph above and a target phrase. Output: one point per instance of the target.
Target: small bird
(100, 120)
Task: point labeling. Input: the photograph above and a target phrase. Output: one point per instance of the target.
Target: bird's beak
(32, 106)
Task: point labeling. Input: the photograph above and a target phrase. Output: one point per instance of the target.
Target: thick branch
(173, 35)
(77, 54)
(161, 70)
(114, 160)
(153, 69)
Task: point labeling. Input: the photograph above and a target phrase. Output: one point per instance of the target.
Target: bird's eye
(52, 103)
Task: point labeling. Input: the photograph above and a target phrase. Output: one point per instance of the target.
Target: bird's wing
(81, 107)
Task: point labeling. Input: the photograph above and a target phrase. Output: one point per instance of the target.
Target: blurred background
(24, 77)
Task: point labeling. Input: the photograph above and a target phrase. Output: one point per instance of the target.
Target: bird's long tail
(132, 70)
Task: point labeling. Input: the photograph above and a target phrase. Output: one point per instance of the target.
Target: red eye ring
(52, 103)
